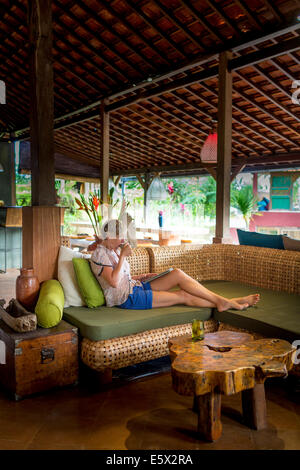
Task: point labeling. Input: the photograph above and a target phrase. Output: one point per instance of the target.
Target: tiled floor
(145, 414)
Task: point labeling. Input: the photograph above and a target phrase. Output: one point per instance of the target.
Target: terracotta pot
(27, 288)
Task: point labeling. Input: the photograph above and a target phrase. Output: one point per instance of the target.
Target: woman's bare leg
(167, 299)
(178, 278)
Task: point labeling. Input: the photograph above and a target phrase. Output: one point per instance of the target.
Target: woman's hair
(113, 229)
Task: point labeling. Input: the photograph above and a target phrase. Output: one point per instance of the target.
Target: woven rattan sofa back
(262, 267)
(139, 261)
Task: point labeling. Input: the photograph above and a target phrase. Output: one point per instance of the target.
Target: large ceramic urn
(27, 288)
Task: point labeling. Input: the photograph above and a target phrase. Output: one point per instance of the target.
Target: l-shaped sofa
(112, 338)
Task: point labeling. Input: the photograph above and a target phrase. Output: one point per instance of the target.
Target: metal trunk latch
(47, 355)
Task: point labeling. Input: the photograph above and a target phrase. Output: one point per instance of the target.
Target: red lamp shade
(209, 150)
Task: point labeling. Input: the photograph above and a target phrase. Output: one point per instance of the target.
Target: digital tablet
(159, 275)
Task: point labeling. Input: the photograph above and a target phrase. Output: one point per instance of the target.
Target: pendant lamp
(157, 190)
(209, 151)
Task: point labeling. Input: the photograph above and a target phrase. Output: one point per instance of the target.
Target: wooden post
(41, 221)
(41, 102)
(147, 183)
(104, 152)
(255, 178)
(13, 173)
(224, 150)
(41, 240)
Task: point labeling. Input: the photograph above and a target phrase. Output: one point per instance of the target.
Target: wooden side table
(226, 363)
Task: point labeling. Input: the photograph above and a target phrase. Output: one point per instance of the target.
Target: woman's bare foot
(249, 299)
(226, 304)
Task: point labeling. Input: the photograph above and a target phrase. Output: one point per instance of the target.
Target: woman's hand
(144, 277)
(126, 250)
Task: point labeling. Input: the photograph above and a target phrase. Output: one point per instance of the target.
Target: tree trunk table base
(227, 363)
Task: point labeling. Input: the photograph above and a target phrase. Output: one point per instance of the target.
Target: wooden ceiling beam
(191, 116)
(148, 138)
(234, 106)
(283, 69)
(188, 33)
(220, 11)
(103, 41)
(87, 43)
(209, 103)
(266, 53)
(162, 136)
(268, 113)
(273, 100)
(112, 31)
(249, 13)
(133, 30)
(138, 10)
(57, 57)
(150, 150)
(202, 20)
(167, 128)
(258, 160)
(250, 116)
(134, 138)
(274, 9)
(272, 80)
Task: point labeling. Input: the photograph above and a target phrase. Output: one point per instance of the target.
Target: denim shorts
(140, 299)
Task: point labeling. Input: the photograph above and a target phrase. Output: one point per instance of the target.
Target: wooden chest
(38, 360)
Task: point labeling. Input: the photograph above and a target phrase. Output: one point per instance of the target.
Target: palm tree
(244, 201)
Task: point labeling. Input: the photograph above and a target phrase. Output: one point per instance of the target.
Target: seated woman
(112, 270)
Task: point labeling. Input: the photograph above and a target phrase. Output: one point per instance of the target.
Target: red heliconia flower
(96, 202)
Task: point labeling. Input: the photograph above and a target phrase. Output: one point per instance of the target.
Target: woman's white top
(102, 257)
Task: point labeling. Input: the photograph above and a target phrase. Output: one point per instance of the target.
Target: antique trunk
(38, 360)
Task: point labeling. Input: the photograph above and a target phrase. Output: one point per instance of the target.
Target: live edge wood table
(226, 363)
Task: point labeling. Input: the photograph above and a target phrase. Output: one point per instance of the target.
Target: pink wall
(275, 219)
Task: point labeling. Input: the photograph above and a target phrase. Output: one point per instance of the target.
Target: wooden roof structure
(156, 63)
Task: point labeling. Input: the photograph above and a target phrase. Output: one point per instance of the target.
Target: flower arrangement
(91, 206)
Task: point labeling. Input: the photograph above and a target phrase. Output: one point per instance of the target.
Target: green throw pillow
(88, 285)
(50, 304)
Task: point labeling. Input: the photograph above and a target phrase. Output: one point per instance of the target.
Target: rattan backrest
(139, 261)
(264, 267)
(202, 262)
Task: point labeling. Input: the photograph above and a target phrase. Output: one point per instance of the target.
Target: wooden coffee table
(226, 363)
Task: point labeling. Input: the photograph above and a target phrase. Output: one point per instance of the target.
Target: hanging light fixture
(157, 190)
(209, 151)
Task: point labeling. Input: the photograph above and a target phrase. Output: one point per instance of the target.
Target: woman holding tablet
(112, 270)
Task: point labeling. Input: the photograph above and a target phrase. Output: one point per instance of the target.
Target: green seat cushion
(111, 322)
(88, 285)
(276, 315)
(50, 304)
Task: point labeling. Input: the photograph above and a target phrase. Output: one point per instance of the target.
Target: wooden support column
(224, 150)
(41, 240)
(147, 183)
(104, 151)
(41, 221)
(255, 178)
(41, 103)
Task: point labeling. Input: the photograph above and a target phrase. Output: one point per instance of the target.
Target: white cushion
(67, 277)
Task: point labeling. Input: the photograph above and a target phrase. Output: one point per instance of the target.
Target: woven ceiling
(143, 56)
